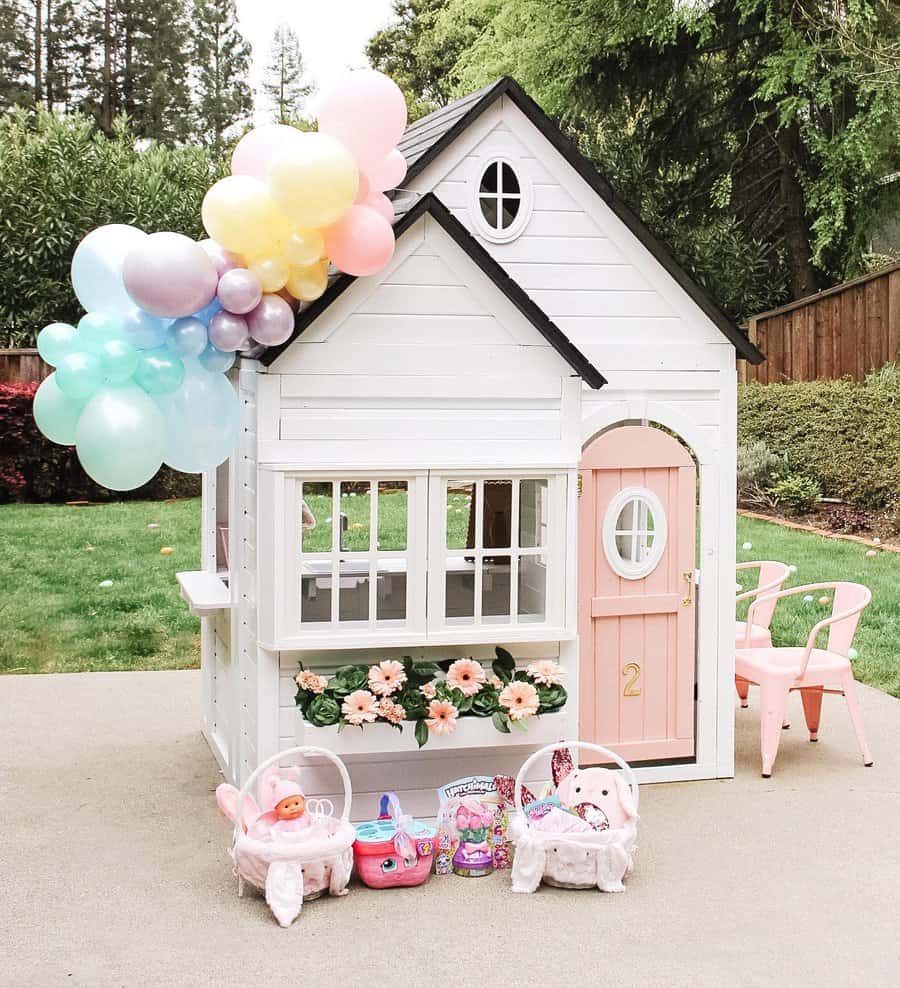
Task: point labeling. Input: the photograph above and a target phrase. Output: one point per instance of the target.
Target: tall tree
(283, 83)
(221, 58)
(65, 54)
(16, 63)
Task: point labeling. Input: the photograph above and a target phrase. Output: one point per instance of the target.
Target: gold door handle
(689, 580)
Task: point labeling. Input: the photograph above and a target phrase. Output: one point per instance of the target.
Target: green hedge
(843, 434)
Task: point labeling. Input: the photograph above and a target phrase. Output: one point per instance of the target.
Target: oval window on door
(634, 532)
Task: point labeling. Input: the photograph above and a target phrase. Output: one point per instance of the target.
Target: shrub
(844, 435)
(34, 469)
(757, 469)
(844, 518)
(797, 493)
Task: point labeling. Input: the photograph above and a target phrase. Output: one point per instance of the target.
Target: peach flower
(520, 699)
(467, 676)
(496, 682)
(387, 677)
(546, 671)
(359, 708)
(442, 716)
(391, 711)
(428, 691)
(307, 680)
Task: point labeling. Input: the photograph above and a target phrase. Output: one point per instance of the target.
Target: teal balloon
(97, 268)
(187, 336)
(159, 371)
(203, 420)
(55, 413)
(143, 330)
(56, 341)
(96, 329)
(120, 361)
(216, 361)
(79, 375)
(121, 438)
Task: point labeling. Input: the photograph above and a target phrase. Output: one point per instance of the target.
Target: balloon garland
(141, 380)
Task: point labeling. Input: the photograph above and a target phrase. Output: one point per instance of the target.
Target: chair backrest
(772, 575)
(852, 597)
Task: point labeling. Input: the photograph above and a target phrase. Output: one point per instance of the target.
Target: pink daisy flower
(387, 677)
(360, 707)
(520, 699)
(442, 717)
(546, 671)
(467, 676)
(428, 691)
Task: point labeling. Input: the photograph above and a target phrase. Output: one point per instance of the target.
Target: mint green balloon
(56, 341)
(120, 360)
(159, 371)
(96, 329)
(120, 438)
(55, 414)
(79, 375)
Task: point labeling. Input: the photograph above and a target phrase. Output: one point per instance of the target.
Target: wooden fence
(17, 366)
(850, 329)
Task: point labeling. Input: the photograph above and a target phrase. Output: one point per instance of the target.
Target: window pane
(460, 590)
(353, 599)
(509, 212)
(625, 547)
(315, 591)
(532, 589)
(391, 600)
(510, 181)
(315, 517)
(460, 515)
(355, 515)
(497, 514)
(495, 588)
(532, 513)
(392, 515)
(627, 519)
(489, 211)
(489, 178)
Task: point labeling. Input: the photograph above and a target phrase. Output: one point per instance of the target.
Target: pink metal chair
(772, 575)
(813, 671)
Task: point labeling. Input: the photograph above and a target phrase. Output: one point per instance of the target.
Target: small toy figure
(443, 862)
(473, 820)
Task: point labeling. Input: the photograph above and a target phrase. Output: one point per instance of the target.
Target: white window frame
(627, 569)
(524, 195)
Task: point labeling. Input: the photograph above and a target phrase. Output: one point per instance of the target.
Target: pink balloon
(381, 204)
(223, 260)
(228, 332)
(272, 321)
(363, 189)
(366, 112)
(361, 242)
(239, 291)
(256, 149)
(389, 173)
(169, 275)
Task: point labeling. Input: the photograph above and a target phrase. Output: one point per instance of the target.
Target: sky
(332, 33)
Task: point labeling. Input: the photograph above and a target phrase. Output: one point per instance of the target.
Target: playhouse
(520, 433)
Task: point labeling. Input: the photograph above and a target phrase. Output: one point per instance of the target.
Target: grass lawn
(55, 616)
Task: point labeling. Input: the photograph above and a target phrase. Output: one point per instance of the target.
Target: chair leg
(812, 708)
(743, 690)
(772, 702)
(849, 687)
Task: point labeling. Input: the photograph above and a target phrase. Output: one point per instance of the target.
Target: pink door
(636, 600)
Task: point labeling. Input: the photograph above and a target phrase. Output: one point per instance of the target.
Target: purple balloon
(223, 260)
(169, 274)
(228, 331)
(239, 291)
(272, 321)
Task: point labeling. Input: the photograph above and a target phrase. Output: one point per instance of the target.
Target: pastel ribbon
(404, 842)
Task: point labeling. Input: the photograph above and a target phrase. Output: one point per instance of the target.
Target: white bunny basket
(289, 870)
(600, 858)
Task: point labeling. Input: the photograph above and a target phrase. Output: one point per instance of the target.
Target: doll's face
(290, 808)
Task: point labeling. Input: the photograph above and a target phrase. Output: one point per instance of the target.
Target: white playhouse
(520, 433)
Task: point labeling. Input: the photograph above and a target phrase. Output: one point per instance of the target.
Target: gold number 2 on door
(633, 671)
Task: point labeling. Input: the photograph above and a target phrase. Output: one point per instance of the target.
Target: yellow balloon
(308, 283)
(239, 213)
(272, 272)
(304, 247)
(314, 181)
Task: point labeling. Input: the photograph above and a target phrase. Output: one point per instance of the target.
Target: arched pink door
(636, 599)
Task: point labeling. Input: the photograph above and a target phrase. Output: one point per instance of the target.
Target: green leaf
(504, 665)
(501, 721)
(422, 673)
(349, 678)
(323, 711)
(421, 733)
(521, 724)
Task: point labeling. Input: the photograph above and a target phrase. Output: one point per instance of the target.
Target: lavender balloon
(239, 291)
(228, 331)
(272, 321)
(223, 260)
(169, 274)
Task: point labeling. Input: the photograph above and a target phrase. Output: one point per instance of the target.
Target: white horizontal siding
(407, 329)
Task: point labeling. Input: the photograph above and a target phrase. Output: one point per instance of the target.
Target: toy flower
(546, 672)
(428, 691)
(391, 711)
(520, 699)
(309, 681)
(467, 676)
(360, 708)
(386, 677)
(442, 716)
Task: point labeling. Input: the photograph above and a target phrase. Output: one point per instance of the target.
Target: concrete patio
(114, 868)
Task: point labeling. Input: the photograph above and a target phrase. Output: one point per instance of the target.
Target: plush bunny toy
(600, 797)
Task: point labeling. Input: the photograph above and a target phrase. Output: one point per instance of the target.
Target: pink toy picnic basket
(547, 850)
(289, 868)
(394, 849)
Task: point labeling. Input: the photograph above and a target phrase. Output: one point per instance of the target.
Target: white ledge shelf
(204, 592)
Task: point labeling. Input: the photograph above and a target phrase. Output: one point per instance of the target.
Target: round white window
(634, 532)
(502, 200)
